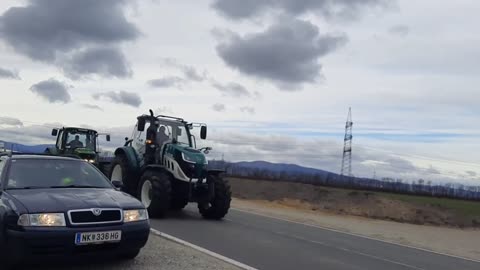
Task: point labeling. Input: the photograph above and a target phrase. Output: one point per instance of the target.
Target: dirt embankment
(400, 208)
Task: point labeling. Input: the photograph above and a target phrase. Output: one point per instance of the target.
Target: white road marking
(358, 235)
(203, 250)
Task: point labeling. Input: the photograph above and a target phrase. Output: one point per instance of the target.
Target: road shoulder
(457, 242)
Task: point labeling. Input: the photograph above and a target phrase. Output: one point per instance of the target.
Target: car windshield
(54, 173)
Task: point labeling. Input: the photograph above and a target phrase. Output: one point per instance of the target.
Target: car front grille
(95, 216)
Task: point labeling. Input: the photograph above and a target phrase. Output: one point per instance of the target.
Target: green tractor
(76, 142)
(161, 166)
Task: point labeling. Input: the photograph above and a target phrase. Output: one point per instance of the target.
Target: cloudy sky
(272, 78)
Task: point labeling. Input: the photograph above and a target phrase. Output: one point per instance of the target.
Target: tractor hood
(189, 154)
(85, 153)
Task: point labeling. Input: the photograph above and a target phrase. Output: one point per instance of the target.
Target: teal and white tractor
(161, 166)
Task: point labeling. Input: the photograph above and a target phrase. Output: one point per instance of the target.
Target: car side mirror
(141, 124)
(108, 137)
(54, 132)
(117, 184)
(203, 132)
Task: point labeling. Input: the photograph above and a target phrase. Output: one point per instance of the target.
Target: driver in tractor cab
(162, 137)
(76, 143)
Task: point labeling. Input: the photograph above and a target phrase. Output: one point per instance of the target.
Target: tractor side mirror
(203, 132)
(179, 132)
(54, 132)
(108, 137)
(141, 124)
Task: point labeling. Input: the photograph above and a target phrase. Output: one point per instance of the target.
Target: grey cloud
(44, 28)
(192, 74)
(10, 121)
(328, 9)
(9, 74)
(247, 109)
(52, 90)
(471, 173)
(232, 89)
(101, 61)
(400, 30)
(166, 82)
(218, 107)
(92, 107)
(286, 53)
(121, 97)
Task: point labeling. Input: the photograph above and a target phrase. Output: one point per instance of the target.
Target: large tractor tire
(219, 205)
(180, 195)
(155, 190)
(119, 171)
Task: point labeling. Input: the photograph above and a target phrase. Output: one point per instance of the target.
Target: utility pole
(347, 147)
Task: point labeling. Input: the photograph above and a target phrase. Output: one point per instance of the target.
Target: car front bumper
(46, 243)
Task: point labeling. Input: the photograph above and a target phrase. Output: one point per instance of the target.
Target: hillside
(18, 147)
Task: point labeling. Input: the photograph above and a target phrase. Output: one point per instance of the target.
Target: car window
(45, 173)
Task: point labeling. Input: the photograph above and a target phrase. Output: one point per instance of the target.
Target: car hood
(62, 200)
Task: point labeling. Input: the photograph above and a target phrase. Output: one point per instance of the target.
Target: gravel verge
(159, 253)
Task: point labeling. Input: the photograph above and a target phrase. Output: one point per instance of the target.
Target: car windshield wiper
(32, 187)
(76, 186)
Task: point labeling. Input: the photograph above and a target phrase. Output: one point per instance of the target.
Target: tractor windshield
(80, 139)
(182, 135)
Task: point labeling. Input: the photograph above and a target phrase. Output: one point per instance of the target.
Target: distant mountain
(17, 147)
(279, 167)
(264, 167)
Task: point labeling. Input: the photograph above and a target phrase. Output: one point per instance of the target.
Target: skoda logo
(97, 212)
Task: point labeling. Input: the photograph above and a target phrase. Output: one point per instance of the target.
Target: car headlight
(42, 220)
(90, 160)
(188, 159)
(134, 215)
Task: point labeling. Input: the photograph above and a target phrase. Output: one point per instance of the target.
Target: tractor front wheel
(119, 171)
(154, 190)
(219, 205)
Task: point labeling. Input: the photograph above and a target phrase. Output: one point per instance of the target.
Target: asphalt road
(267, 243)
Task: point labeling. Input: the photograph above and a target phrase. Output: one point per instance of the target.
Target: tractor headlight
(188, 159)
(42, 220)
(135, 215)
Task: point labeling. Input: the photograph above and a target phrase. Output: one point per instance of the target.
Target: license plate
(97, 237)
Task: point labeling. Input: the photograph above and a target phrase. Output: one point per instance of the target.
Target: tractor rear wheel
(119, 171)
(154, 190)
(219, 205)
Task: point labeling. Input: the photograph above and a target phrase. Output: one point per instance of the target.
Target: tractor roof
(77, 129)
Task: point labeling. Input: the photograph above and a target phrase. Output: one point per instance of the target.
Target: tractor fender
(131, 156)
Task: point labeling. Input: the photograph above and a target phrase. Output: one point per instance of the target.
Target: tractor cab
(78, 142)
(153, 133)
